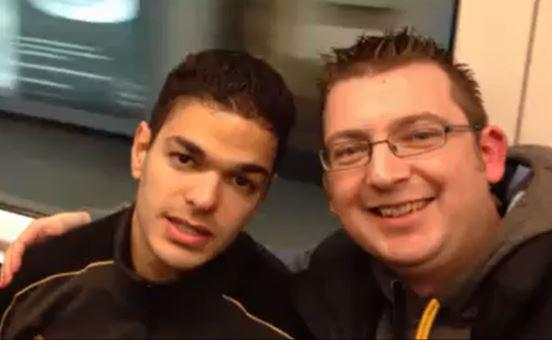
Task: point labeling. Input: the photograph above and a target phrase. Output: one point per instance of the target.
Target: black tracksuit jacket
(81, 285)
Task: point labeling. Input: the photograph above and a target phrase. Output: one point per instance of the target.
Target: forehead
(376, 102)
(223, 136)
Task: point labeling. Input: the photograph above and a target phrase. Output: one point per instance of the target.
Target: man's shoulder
(263, 285)
(89, 242)
(533, 258)
(336, 252)
(336, 288)
(69, 252)
(519, 283)
(256, 270)
(255, 254)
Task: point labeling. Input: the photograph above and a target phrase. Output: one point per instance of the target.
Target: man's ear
(326, 186)
(140, 147)
(494, 149)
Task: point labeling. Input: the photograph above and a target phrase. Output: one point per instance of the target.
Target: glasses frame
(448, 128)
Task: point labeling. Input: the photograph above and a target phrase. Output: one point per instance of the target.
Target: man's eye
(240, 181)
(420, 135)
(179, 159)
(245, 184)
(420, 138)
(347, 151)
(183, 158)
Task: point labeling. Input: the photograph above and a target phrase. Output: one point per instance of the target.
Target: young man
(441, 229)
(175, 264)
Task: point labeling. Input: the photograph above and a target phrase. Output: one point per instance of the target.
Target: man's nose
(204, 192)
(385, 169)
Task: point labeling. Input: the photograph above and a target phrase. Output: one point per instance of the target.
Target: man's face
(419, 211)
(199, 182)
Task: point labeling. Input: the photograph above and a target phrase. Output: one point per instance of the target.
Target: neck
(145, 263)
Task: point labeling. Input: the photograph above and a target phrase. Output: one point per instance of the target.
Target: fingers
(4, 271)
(39, 230)
(12, 253)
(16, 250)
(6, 274)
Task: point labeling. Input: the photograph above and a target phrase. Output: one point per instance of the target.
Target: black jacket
(340, 297)
(82, 285)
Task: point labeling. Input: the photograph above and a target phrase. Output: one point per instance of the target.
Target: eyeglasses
(410, 140)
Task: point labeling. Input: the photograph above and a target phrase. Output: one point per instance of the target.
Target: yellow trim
(254, 318)
(46, 279)
(428, 317)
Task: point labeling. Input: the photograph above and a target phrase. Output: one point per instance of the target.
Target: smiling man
(401, 157)
(175, 265)
(446, 237)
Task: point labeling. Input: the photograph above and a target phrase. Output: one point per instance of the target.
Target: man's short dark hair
(373, 54)
(235, 81)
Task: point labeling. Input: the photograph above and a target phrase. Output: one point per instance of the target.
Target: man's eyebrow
(197, 151)
(360, 134)
(190, 146)
(422, 116)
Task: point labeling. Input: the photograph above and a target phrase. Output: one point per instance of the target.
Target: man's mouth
(402, 209)
(190, 229)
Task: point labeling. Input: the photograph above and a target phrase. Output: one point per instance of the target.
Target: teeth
(186, 229)
(400, 210)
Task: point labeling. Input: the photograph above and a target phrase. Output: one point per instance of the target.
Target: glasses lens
(418, 138)
(347, 154)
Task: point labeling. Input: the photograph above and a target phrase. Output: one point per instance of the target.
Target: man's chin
(411, 261)
(186, 262)
(178, 258)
